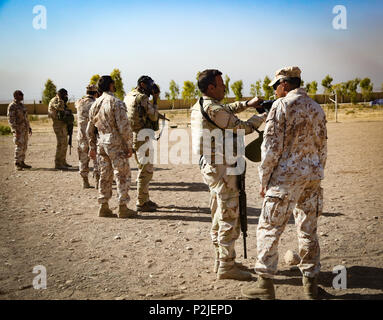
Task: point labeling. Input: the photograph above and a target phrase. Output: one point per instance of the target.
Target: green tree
(227, 85)
(266, 88)
(253, 91)
(313, 88)
(366, 87)
(237, 88)
(326, 84)
(302, 83)
(338, 89)
(49, 92)
(167, 95)
(258, 87)
(116, 76)
(352, 86)
(94, 79)
(174, 91)
(189, 91)
(308, 87)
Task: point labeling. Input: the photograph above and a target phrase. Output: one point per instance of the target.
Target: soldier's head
(18, 95)
(105, 84)
(63, 94)
(211, 84)
(285, 80)
(91, 90)
(145, 84)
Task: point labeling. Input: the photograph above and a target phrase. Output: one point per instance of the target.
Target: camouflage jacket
(223, 115)
(18, 116)
(55, 105)
(295, 140)
(108, 115)
(83, 106)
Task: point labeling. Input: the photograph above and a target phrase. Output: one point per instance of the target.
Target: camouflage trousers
(303, 199)
(20, 139)
(145, 173)
(224, 207)
(112, 161)
(60, 129)
(83, 157)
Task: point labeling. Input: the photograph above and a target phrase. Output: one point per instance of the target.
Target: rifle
(243, 209)
(265, 106)
(68, 118)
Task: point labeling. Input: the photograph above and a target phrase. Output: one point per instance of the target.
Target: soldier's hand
(255, 102)
(261, 191)
(92, 154)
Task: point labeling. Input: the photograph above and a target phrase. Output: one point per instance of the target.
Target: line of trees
(190, 91)
(50, 89)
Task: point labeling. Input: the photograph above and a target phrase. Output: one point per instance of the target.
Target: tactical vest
(136, 112)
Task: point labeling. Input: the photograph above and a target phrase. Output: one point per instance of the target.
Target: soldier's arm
(12, 117)
(272, 146)
(228, 120)
(238, 106)
(90, 131)
(151, 109)
(123, 125)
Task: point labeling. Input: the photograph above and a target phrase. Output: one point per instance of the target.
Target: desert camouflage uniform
(294, 154)
(108, 114)
(18, 120)
(133, 100)
(224, 193)
(83, 106)
(60, 129)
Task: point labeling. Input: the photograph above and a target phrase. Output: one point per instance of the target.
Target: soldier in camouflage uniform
(18, 120)
(57, 106)
(223, 184)
(114, 147)
(294, 153)
(140, 113)
(83, 105)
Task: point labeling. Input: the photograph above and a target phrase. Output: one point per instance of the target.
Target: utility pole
(336, 106)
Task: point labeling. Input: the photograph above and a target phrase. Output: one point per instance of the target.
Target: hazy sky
(169, 39)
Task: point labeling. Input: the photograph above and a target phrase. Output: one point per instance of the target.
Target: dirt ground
(46, 218)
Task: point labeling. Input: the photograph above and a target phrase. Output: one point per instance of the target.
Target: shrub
(5, 130)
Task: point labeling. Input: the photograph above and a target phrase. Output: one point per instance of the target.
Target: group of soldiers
(294, 152)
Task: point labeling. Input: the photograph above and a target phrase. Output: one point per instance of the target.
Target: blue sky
(169, 39)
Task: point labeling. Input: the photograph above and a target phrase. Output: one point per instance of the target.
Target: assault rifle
(265, 106)
(243, 209)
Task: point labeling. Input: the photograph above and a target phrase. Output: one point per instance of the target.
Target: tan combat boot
(146, 207)
(232, 272)
(310, 287)
(85, 183)
(125, 212)
(105, 212)
(264, 290)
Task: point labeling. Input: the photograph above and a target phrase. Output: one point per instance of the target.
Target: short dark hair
(17, 92)
(62, 91)
(104, 82)
(91, 92)
(145, 79)
(295, 82)
(207, 77)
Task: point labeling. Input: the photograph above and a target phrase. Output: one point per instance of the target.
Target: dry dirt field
(46, 218)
